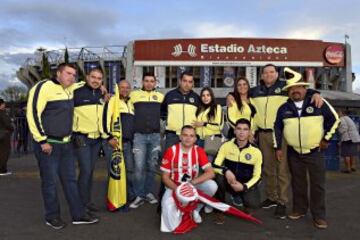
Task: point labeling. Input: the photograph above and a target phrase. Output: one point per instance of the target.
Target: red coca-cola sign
(334, 54)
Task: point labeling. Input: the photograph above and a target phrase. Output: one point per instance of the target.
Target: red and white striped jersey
(178, 163)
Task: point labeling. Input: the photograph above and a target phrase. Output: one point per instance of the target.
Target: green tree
(14, 94)
(46, 70)
(66, 56)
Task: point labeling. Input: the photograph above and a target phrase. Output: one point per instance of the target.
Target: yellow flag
(117, 182)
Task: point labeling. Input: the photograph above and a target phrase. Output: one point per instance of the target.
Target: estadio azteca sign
(235, 52)
(234, 48)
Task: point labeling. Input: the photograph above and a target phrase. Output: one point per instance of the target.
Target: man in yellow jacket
(88, 131)
(179, 108)
(267, 97)
(307, 130)
(238, 168)
(50, 111)
(146, 104)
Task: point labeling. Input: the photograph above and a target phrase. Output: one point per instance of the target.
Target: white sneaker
(150, 198)
(196, 216)
(208, 209)
(6, 173)
(137, 202)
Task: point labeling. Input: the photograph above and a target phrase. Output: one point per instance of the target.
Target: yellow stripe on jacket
(245, 163)
(234, 114)
(211, 126)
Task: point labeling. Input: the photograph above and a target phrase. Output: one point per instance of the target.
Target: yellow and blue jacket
(234, 113)
(179, 109)
(267, 101)
(304, 133)
(50, 111)
(127, 119)
(88, 112)
(245, 162)
(211, 126)
(146, 107)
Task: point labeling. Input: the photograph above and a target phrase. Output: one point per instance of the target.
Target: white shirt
(299, 106)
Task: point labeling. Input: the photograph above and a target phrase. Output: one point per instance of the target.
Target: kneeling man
(180, 162)
(238, 168)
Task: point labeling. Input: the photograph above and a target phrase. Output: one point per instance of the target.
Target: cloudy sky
(27, 25)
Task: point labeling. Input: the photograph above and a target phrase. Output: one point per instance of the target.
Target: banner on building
(205, 76)
(310, 76)
(160, 74)
(114, 74)
(90, 65)
(251, 75)
(180, 70)
(138, 75)
(229, 76)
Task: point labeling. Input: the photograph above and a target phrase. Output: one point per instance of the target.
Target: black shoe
(280, 211)
(56, 223)
(268, 204)
(237, 201)
(86, 219)
(346, 171)
(353, 169)
(92, 207)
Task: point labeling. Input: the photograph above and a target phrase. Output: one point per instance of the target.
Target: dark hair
(148, 74)
(187, 127)
(269, 65)
(237, 96)
(1, 101)
(212, 105)
(243, 121)
(187, 73)
(95, 69)
(61, 66)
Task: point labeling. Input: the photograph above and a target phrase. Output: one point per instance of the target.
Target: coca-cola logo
(334, 54)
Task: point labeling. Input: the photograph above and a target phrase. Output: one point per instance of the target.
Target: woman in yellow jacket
(209, 117)
(241, 107)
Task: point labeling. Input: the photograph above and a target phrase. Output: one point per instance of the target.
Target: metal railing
(21, 140)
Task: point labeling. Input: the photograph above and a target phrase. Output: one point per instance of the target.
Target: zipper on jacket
(265, 115)
(300, 136)
(184, 110)
(237, 165)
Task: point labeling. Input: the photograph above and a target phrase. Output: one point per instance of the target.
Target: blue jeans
(146, 155)
(87, 154)
(61, 162)
(129, 165)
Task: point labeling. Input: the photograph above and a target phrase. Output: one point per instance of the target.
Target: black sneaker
(56, 223)
(86, 219)
(280, 211)
(7, 173)
(268, 204)
(237, 201)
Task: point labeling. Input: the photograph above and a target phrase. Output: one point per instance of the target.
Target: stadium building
(215, 62)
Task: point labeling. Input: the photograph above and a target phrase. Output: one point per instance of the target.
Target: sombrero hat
(293, 78)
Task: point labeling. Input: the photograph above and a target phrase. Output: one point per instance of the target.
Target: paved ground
(21, 214)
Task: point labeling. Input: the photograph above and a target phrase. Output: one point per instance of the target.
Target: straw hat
(295, 79)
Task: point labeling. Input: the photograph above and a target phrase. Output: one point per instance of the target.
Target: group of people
(275, 126)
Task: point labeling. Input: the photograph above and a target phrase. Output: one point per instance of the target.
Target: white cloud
(306, 33)
(216, 30)
(8, 76)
